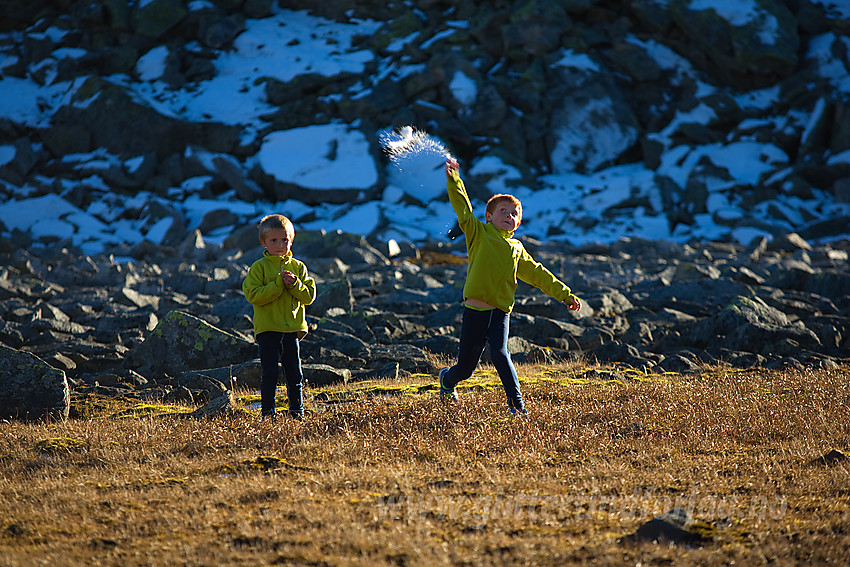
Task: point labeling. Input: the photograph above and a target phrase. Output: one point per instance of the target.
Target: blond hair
(273, 221)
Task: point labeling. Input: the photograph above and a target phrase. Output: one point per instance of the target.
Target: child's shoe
(297, 415)
(446, 394)
(521, 412)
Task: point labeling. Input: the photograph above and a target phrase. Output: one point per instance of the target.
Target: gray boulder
(325, 375)
(763, 43)
(111, 117)
(827, 283)
(698, 297)
(409, 358)
(346, 343)
(680, 363)
(183, 342)
(219, 406)
(589, 102)
(332, 294)
(541, 330)
(152, 19)
(30, 388)
(674, 527)
(389, 371)
(750, 324)
(202, 386)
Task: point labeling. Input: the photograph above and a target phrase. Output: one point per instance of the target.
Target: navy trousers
(478, 329)
(278, 349)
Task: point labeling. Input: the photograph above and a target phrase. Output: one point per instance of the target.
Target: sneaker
(297, 415)
(522, 412)
(446, 394)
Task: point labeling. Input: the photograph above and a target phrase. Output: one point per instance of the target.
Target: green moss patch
(53, 445)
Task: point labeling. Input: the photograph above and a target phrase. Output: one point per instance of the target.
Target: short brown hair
(494, 201)
(275, 220)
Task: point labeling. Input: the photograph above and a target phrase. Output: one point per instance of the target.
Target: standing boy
(279, 288)
(496, 261)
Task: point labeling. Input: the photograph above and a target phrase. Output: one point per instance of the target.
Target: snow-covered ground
(292, 43)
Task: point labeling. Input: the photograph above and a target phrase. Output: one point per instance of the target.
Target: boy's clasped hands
(288, 277)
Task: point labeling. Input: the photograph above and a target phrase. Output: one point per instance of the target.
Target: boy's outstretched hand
(575, 305)
(451, 164)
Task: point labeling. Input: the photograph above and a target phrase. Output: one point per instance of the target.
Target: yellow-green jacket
(496, 259)
(278, 307)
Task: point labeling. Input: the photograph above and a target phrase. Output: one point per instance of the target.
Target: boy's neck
(501, 230)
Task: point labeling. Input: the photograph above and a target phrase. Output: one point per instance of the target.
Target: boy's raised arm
(457, 194)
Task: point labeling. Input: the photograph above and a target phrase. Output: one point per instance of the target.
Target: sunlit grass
(381, 473)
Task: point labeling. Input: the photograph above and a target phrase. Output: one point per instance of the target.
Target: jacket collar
(502, 233)
(284, 259)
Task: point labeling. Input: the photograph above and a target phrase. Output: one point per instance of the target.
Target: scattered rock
(179, 395)
(31, 389)
(324, 375)
(831, 458)
(675, 527)
(222, 405)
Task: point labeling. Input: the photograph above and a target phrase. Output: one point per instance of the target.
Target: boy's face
(277, 241)
(505, 216)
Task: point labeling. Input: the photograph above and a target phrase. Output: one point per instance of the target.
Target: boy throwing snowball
(496, 261)
(278, 286)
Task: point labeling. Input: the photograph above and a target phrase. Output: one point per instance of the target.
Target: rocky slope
(181, 324)
(661, 77)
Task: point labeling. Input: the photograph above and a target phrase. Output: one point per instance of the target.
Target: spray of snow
(408, 144)
(417, 160)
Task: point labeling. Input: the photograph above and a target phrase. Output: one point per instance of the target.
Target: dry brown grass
(399, 479)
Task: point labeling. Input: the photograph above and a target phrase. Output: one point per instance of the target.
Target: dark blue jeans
(280, 349)
(479, 328)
